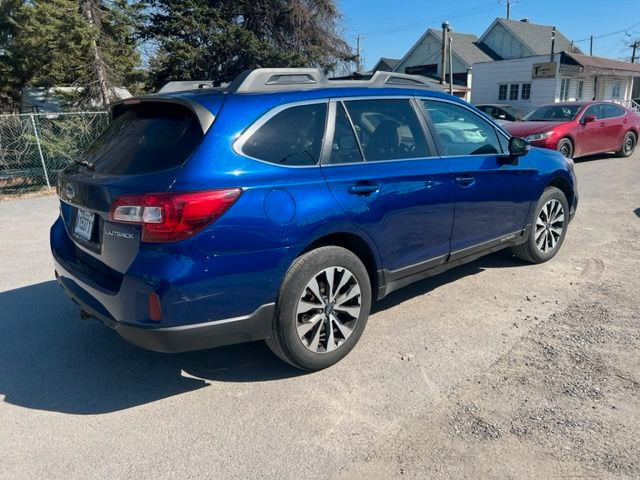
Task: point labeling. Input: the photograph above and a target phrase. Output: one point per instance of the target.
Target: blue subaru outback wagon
(281, 206)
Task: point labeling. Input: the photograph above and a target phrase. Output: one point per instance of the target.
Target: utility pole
(591, 45)
(553, 42)
(635, 45)
(443, 54)
(508, 9)
(450, 63)
(358, 57)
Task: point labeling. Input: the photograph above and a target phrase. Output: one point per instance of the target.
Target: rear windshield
(145, 138)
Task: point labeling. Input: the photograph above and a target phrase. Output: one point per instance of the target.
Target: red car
(576, 129)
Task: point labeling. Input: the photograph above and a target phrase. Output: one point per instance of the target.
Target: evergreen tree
(10, 18)
(80, 43)
(217, 39)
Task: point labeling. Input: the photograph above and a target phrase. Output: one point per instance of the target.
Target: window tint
(344, 148)
(145, 138)
(291, 137)
(387, 129)
(594, 110)
(462, 132)
(611, 111)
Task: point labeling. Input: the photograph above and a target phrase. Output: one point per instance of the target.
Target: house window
(513, 92)
(565, 85)
(580, 89)
(502, 92)
(615, 89)
(525, 93)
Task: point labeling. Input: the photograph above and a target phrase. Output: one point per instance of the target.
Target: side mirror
(518, 147)
(588, 119)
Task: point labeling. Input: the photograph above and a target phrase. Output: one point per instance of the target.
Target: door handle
(465, 180)
(364, 188)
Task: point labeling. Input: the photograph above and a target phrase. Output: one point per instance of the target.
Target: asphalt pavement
(496, 369)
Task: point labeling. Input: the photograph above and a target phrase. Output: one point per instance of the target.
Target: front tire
(565, 147)
(548, 230)
(322, 308)
(628, 146)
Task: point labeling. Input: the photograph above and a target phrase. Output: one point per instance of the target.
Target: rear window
(145, 138)
(291, 137)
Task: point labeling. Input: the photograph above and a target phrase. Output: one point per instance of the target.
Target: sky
(390, 27)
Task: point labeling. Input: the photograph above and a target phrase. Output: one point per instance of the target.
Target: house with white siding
(528, 74)
(535, 80)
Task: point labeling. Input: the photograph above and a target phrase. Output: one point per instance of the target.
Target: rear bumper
(184, 338)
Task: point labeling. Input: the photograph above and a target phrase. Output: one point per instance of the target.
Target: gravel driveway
(494, 370)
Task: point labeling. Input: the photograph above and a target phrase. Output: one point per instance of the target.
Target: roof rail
(278, 79)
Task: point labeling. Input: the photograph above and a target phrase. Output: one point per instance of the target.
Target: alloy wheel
(549, 226)
(629, 143)
(328, 309)
(565, 149)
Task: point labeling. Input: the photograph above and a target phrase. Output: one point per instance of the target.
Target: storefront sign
(544, 70)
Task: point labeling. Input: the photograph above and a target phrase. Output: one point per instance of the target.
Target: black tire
(530, 251)
(565, 147)
(628, 146)
(284, 340)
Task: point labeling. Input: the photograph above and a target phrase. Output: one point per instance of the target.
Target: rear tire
(565, 147)
(628, 146)
(322, 308)
(548, 230)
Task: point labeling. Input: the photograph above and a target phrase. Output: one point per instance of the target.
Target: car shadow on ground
(593, 158)
(637, 212)
(51, 360)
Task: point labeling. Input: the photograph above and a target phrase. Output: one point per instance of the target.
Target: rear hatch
(142, 151)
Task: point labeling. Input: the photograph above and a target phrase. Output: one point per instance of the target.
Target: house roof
(600, 63)
(465, 47)
(536, 37)
(390, 63)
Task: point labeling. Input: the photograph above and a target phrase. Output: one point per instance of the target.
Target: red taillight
(169, 217)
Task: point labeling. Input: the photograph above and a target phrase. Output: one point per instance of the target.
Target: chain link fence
(35, 147)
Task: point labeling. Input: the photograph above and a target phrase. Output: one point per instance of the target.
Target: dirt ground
(493, 370)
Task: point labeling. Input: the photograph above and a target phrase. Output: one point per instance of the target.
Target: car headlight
(538, 136)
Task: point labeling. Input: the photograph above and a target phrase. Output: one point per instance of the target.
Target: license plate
(84, 224)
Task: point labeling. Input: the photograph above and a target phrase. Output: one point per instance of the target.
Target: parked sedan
(502, 112)
(577, 129)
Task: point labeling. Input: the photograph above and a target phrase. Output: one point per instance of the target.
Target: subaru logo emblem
(69, 191)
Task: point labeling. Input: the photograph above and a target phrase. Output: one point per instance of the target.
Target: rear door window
(290, 137)
(388, 129)
(612, 111)
(145, 138)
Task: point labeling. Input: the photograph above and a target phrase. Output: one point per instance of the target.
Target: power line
(485, 7)
(624, 30)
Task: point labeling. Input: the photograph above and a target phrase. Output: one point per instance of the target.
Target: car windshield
(552, 113)
(517, 113)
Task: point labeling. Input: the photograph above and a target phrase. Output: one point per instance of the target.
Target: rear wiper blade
(85, 163)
